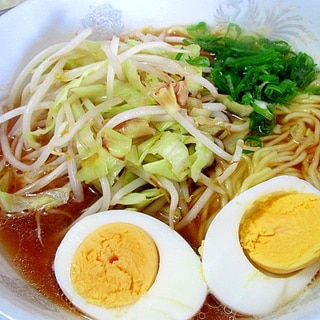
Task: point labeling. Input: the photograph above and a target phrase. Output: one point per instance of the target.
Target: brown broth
(33, 259)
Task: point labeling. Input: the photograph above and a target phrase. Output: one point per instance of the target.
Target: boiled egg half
(122, 264)
(262, 249)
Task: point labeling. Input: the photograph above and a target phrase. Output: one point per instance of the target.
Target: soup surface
(33, 257)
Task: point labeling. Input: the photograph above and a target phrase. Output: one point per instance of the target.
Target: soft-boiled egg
(122, 264)
(259, 252)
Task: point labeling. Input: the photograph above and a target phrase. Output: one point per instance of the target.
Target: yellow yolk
(115, 265)
(281, 234)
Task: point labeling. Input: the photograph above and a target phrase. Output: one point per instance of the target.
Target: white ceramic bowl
(35, 24)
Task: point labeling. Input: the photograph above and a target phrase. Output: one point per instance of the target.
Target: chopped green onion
(254, 70)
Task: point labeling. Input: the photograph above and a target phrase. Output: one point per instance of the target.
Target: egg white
(230, 275)
(179, 289)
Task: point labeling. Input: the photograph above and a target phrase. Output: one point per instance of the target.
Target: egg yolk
(280, 234)
(115, 265)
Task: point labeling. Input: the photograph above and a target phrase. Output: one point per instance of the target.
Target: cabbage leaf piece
(141, 199)
(46, 200)
(172, 155)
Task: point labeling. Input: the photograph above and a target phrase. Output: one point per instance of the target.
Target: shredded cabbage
(133, 119)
